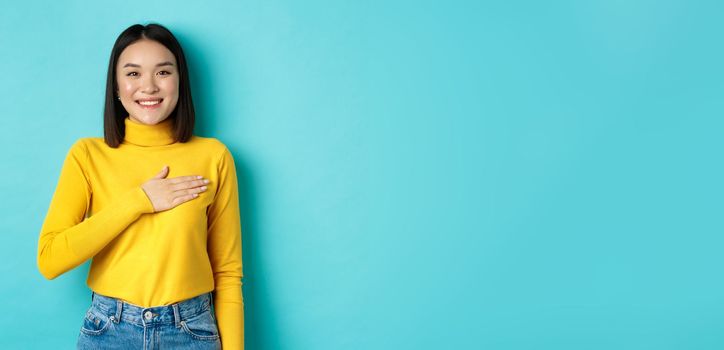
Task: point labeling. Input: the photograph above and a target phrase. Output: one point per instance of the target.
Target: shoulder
(220, 154)
(80, 143)
(79, 147)
(213, 146)
(90, 142)
(211, 143)
(78, 152)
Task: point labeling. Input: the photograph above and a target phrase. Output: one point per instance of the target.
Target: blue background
(413, 174)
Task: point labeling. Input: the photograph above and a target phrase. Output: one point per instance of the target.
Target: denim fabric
(111, 323)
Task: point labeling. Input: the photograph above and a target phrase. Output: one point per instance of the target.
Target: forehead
(145, 53)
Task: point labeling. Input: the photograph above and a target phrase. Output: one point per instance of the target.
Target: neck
(149, 135)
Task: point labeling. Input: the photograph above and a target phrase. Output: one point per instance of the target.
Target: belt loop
(93, 295)
(119, 308)
(176, 315)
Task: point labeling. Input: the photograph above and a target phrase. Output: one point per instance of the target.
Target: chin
(150, 120)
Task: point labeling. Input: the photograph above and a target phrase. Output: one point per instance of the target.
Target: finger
(189, 184)
(163, 173)
(181, 179)
(189, 191)
(179, 200)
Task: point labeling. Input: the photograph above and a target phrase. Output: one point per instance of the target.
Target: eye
(163, 71)
(129, 74)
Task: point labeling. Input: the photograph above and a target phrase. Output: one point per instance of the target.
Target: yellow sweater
(100, 211)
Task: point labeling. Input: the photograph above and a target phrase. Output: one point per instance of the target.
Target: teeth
(149, 103)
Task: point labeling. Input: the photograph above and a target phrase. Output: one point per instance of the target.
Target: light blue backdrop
(413, 174)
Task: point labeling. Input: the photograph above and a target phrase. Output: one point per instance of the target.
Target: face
(148, 81)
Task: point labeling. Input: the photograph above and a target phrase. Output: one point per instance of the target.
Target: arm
(66, 239)
(224, 248)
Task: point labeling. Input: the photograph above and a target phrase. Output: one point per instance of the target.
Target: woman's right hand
(166, 194)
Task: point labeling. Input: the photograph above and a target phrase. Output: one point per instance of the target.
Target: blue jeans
(111, 323)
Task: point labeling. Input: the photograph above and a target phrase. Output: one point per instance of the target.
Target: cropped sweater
(99, 211)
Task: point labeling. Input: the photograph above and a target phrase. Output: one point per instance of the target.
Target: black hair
(114, 114)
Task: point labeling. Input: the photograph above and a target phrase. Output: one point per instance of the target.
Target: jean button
(147, 315)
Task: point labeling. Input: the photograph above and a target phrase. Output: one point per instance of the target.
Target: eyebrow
(167, 63)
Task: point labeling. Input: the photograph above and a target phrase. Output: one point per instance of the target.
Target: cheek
(171, 88)
(126, 87)
(170, 85)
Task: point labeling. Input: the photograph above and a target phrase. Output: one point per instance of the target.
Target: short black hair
(114, 126)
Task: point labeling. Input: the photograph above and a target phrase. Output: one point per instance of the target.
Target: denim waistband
(118, 309)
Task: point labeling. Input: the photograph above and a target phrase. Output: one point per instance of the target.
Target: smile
(149, 104)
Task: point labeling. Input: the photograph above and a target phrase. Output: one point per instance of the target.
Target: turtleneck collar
(149, 135)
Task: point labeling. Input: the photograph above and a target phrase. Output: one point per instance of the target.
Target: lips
(149, 103)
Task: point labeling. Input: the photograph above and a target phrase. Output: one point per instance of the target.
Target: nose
(148, 85)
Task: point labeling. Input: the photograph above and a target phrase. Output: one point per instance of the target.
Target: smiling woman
(148, 81)
(166, 251)
(147, 90)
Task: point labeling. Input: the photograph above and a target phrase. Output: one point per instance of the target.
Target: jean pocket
(95, 322)
(201, 326)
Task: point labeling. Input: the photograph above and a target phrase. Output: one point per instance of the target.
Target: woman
(166, 248)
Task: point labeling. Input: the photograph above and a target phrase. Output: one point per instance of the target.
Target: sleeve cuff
(143, 203)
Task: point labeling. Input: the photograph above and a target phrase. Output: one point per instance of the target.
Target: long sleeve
(67, 237)
(224, 248)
